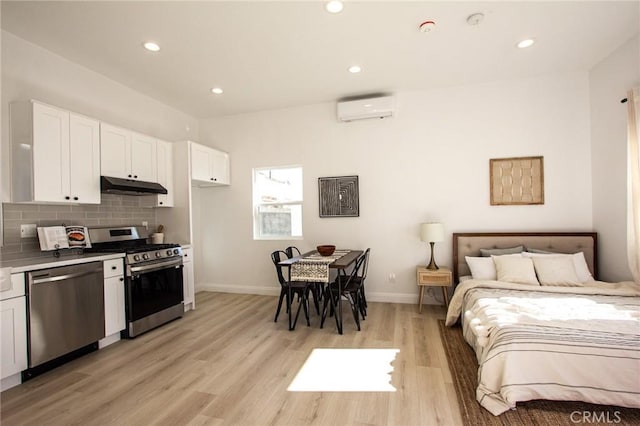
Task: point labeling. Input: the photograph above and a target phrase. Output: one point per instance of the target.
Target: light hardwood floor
(228, 363)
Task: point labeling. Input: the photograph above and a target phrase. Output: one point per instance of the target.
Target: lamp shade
(432, 232)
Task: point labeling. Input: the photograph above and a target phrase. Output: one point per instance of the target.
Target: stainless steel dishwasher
(66, 310)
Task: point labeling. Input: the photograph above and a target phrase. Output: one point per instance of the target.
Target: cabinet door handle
(67, 198)
(75, 198)
(160, 203)
(136, 176)
(130, 176)
(114, 268)
(121, 279)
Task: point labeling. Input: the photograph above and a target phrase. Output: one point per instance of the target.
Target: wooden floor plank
(229, 363)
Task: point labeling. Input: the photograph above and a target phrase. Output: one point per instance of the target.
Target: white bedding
(556, 343)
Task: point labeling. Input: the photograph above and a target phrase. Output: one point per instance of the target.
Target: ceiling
(270, 55)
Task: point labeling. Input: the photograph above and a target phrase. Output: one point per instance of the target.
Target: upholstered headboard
(470, 243)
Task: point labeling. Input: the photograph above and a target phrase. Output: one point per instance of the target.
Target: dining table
(313, 267)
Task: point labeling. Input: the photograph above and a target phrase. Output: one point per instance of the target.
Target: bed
(570, 338)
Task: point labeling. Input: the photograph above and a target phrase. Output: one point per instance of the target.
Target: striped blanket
(556, 343)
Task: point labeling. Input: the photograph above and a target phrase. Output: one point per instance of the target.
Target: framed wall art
(339, 196)
(517, 181)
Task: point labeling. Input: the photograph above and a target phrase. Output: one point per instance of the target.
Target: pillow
(515, 269)
(582, 270)
(483, 268)
(532, 250)
(556, 270)
(501, 251)
(579, 263)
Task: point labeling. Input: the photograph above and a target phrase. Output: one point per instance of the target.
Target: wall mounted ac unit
(361, 109)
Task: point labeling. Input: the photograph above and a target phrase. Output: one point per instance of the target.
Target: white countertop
(25, 265)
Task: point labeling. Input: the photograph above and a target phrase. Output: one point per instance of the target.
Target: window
(277, 203)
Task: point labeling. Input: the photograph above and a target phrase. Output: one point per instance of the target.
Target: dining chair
(290, 289)
(362, 278)
(345, 285)
(316, 288)
(292, 251)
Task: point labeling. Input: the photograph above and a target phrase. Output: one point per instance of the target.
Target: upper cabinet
(126, 154)
(209, 167)
(115, 151)
(55, 155)
(143, 157)
(165, 173)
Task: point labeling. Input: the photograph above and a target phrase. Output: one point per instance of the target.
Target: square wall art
(339, 196)
(517, 181)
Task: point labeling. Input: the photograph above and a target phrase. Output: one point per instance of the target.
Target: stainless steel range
(153, 276)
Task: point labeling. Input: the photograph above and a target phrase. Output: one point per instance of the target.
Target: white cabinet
(84, 154)
(188, 279)
(165, 173)
(209, 167)
(51, 156)
(13, 329)
(13, 332)
(114, 315)
(55, 155)
(143, 157)
(115, 151)
(126, 154)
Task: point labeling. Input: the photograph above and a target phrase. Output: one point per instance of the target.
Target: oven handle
(155, 266)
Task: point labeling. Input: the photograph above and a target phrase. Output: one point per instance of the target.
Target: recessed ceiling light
(151, 46)
(217, 90)
(528, 42)
(354, 69)
(334, 6)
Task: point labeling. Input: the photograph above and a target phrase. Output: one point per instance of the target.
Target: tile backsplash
(114, 210)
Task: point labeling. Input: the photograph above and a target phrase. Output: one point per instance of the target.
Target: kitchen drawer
(11, 285)
(113, 268)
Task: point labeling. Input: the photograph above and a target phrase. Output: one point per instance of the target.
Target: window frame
(256, 205)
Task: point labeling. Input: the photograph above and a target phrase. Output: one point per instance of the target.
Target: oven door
(153, 288)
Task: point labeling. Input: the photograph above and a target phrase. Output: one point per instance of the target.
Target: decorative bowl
(326, 250)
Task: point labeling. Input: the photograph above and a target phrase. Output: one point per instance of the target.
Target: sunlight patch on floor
(346, 370)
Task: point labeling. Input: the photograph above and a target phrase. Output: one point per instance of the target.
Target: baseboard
(103, 343)
(392, 297)
(10, 382)
(242, 289)
(407, 298)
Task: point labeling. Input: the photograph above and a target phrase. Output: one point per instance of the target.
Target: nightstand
(433, 278)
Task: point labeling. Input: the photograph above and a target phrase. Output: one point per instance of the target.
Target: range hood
(113, 185)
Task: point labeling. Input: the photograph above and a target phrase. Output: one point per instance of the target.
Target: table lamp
(432, 233)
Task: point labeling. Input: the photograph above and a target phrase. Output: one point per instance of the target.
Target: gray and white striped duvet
(533, 342)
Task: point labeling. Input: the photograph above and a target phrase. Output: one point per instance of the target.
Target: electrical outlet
(145, 224)
(28, 231)
(392, 277)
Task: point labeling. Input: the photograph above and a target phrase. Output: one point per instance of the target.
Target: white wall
(428, 163)
(31, 72)
(608, 84)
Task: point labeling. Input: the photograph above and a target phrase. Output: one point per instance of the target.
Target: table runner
(315, 267)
